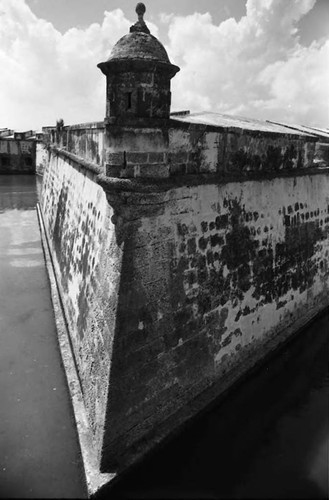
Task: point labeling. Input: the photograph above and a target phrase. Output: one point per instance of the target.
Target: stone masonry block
(136, 158)
(152, 171)
(113, 170)
(179, 157)
(129, 171)
(192, 168)
(156, 157)
(177, 169)
(115, 158)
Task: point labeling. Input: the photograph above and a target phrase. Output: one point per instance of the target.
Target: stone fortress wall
(186, 248)
(172, 285)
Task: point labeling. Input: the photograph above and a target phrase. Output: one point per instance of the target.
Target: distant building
(18, 151)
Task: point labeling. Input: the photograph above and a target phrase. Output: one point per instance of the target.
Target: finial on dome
(140, 24)
(140, 10)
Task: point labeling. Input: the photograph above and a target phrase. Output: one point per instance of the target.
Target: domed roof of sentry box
(138, 45)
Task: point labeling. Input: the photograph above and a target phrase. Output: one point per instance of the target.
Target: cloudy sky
(266, 59)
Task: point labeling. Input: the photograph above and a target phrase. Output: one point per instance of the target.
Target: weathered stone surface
(42, 157)
(118, 158)
(137, 158)
(175, 286)
(84, 140)
(222, 272)
(202, 150)
(135, 46)
(87, 264)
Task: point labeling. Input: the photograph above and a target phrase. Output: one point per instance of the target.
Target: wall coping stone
(150, 185)
(120, 124)
(77, 160)
(189, 122)
(114, 184)
(128, 123)
(186, 125)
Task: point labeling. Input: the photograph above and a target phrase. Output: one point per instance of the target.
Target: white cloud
(165, 18)
(254, 67)
(46, 75)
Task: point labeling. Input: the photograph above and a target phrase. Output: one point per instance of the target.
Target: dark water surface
(268, 438)
(39, 451)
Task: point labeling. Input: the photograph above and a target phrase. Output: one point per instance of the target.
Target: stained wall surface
(235, 147)
(86, 141)
(87, 264)
(213, 277)
(175, 287)
(42, 157)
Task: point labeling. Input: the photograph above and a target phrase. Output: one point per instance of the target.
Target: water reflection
(17, 192)
(267, 439)
(39, 450)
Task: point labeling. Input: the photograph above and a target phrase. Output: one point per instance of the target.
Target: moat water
(268, 438)
(39, 450)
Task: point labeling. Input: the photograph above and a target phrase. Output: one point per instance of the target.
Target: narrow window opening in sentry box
(129, 100)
